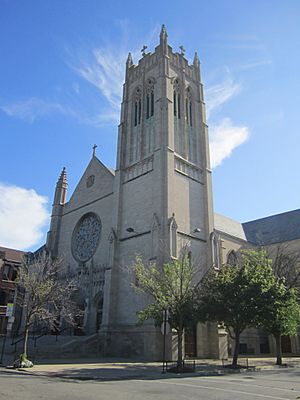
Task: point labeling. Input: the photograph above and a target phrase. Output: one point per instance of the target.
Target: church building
(158, 199)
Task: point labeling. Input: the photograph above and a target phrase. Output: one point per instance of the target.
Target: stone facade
(158, 199)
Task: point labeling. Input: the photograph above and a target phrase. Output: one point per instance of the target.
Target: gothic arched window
(137, 106)
(177, 99)
(173, 236)
(134, 148)
(215, 250)
(189, 108)
(150, 98)
(190, 131)
(232, 258)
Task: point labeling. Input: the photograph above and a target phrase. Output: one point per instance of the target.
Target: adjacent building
(10, 260)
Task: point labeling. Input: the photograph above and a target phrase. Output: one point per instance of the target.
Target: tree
(47, 293)
(286, 263)
(282, 311)
(233, 295)
(171, 288)
(281, 314)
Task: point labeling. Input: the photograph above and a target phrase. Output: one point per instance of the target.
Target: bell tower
(162, 195)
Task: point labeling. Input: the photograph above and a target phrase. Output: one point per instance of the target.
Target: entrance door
(286, 346)
(190, 342)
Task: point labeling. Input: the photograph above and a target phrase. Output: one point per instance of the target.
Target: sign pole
(164, 346)
(3, 347)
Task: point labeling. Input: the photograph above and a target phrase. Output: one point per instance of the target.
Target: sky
(61, 75)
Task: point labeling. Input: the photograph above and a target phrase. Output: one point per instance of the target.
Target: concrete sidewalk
(111, 369)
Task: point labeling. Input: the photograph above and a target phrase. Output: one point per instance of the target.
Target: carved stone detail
(90, 181)
(139, 168)
(187, 168)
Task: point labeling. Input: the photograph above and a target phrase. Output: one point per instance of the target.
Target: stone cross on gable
(94, 150)
(182, 50)
(143, 50)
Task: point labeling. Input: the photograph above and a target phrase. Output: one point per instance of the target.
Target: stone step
(63, 347)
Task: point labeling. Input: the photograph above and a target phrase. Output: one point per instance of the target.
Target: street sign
(9, 309)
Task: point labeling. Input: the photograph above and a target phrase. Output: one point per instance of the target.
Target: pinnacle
(63, 175)
(196, 59)
(63, 172)
(163, 32)
(129, 59)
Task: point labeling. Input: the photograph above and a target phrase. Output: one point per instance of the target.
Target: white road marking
(219, 389)
(236, 382)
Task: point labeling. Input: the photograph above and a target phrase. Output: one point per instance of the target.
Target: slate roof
(274, 229)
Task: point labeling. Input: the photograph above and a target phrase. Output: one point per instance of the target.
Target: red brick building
(10, 261)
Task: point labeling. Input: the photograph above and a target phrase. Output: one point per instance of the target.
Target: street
(276, 385)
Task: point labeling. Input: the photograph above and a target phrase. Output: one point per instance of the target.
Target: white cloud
(104, 68)
(224, 138)
(23, 214)
(220, 93)
(106, 73)
(34, 108)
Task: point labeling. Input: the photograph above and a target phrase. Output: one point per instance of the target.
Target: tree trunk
(179, 338)
(278, 349)
(236, 348)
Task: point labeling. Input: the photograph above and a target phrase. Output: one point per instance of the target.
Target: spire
(61, 188)
(129, 61)
(196, 61)
(163, 39)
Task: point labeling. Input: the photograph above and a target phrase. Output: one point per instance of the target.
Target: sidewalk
(110, 369)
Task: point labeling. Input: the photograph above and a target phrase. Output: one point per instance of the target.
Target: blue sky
(61, 75)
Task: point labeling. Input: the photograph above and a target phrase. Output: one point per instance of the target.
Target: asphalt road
(272, 385)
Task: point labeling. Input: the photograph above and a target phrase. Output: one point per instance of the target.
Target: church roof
(229, 226)
(274, 229)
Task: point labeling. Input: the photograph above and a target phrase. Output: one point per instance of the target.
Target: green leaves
(249, 294)
(170, 287)
(236, 295)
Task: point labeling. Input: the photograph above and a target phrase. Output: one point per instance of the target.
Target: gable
(96, 182)
(229, 226)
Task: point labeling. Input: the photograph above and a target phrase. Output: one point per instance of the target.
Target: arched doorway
(79, 319)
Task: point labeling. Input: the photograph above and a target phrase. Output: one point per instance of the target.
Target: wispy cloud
(220, 93)
(239, 42)
(34, 108)
(23, 215)
(224, 138)
(104, 68)
(251, 65)
(106, 73)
